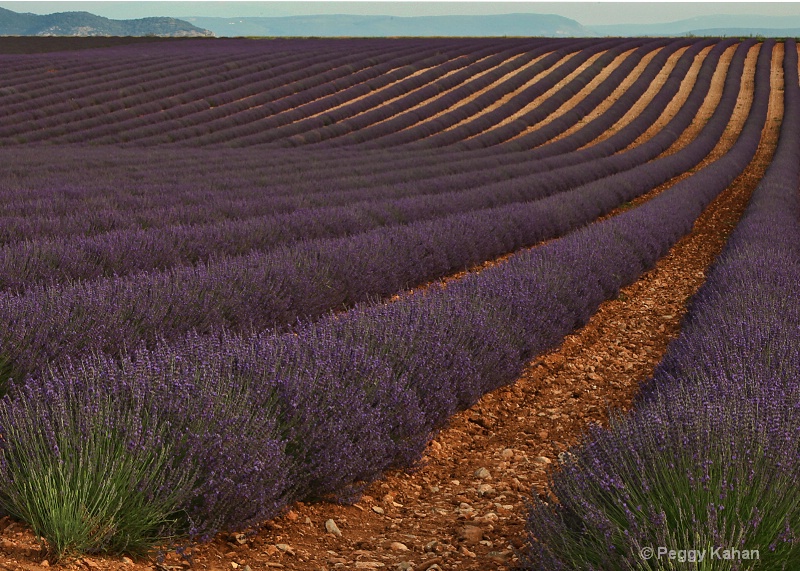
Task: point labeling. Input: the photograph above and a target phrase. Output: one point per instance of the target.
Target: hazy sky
(584, 12)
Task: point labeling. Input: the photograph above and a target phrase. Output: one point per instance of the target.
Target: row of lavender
(61, 257)
(282, 173)
(234, 66)
(182, 437)
(254, 93)
(24, 264)
(330, 170)
(305, 280)
(706, 463)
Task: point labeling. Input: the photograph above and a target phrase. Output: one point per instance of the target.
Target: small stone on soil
(331, 527)
(482, 473)
(471, 534)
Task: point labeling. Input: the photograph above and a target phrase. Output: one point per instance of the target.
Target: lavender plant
(107, 457)
(684, 474)
(91, 470)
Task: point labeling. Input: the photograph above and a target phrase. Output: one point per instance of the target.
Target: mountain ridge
(86, 24)
(346, 25)
(705, 25)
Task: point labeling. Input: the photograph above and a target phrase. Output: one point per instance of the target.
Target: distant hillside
(381, 26)
(747, 32)
(86, 24)
(717, 25)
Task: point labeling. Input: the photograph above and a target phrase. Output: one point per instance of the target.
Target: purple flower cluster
(192, 433)
(708, 456)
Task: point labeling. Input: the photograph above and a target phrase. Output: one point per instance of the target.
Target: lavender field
(219, 295)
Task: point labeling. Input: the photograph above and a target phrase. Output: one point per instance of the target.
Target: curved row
(306, 280)
(173, 98)
(26, 263)
(489, 169)
(711, 444)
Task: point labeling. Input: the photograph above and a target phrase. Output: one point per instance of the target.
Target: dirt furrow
(510, 95)
(572, 102)
(480, 92)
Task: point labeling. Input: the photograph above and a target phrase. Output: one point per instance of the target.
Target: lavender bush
(91, 470)
(682, 474)
(113, 457)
